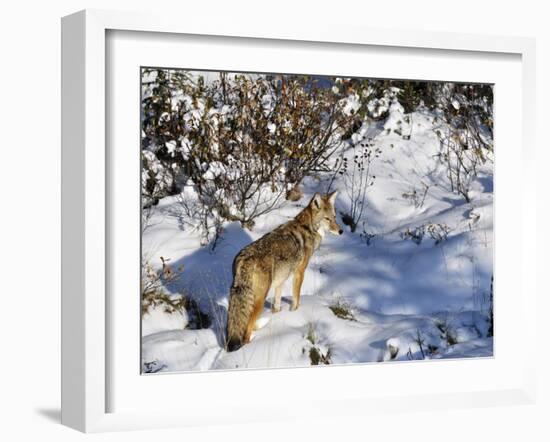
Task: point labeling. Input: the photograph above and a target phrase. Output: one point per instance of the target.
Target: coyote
(269, 262)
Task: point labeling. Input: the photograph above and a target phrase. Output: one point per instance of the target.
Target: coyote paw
(275, 309)
(261, 322)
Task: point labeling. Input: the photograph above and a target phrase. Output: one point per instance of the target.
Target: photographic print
(303, 220)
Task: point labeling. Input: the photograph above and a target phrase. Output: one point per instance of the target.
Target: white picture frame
(85, 195)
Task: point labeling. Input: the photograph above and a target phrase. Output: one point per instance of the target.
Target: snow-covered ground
(398, 295)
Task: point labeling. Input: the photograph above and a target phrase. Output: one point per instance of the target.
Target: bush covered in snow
(241, 142)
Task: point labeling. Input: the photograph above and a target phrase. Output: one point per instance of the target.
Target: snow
(378, 106)
(351, 104)
(158, 320)
(422, 295)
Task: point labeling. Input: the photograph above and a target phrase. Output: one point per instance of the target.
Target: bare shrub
(368, 237)
(342, 309)
(318, 358)
(417, 197)
(419, 340)
(316, 355)
(153, 366)
(415, 234)
(153, 295)
(466, 132)
(357, 178)
(444, 325)
(438, 232)
(192, 213)
(152, 287)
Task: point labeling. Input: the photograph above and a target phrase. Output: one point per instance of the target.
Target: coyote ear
(332, 197)
(316, 201)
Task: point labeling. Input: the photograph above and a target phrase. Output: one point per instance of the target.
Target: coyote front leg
(276, 306)
(297, 284)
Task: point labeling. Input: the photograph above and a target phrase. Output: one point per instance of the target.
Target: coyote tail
(241, 304)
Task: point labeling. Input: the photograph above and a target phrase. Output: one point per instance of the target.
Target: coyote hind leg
(256, 312)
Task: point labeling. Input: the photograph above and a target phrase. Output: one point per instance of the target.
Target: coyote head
(324, 214)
